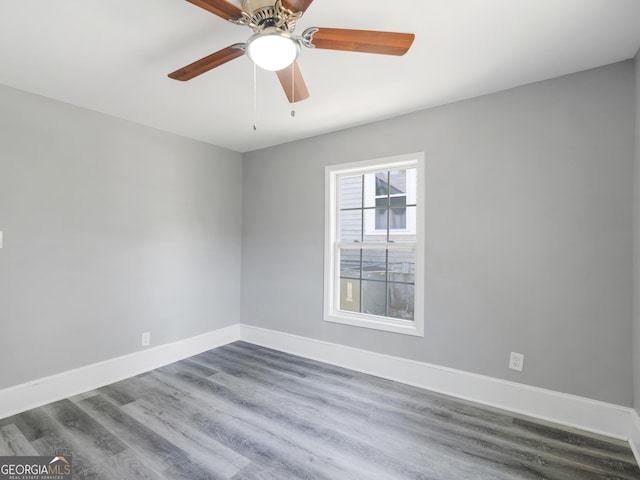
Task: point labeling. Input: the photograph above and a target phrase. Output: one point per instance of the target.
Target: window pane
(407, 217)
(382, 184)
(381, 219)
(402, 266)
(350, 262)
(370, 189)
(398, 181)
(398, 219)
(374, 273)
(351, 226)
(373, 298)
(401, 299)
(349, 295)
(350, 192)
(374, 264)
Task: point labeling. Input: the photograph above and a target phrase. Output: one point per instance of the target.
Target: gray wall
(636, 250)
(529, 233)
(110, 229)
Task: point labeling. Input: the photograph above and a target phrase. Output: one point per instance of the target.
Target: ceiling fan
(273, 46)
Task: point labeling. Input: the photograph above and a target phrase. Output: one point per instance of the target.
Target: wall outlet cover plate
(516, 361)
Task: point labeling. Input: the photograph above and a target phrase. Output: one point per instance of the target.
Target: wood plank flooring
(251, 413)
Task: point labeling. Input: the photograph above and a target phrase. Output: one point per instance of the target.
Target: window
(374, 244)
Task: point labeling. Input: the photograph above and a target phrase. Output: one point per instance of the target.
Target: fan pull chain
(255, 97)
(293, 86)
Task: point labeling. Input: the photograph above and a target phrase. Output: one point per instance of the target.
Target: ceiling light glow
(272, 49)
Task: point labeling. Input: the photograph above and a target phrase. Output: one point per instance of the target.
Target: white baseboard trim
(634, 436)
(39, 392)
(569, 410)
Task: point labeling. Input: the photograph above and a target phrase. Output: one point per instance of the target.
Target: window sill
(373, 322)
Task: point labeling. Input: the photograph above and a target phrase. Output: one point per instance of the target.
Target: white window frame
(332, 312)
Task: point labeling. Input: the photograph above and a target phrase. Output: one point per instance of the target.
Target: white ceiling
(113, 56)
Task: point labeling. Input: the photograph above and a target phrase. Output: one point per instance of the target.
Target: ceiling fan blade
(222, 8)
(366, 41)
(293, 83)
(208, 63)
(297, 5)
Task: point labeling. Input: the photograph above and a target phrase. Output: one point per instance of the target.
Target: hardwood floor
(251, 413)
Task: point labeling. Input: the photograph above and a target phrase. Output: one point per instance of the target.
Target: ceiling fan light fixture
(272, 49)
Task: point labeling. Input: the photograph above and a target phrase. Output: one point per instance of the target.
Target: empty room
(298, 239)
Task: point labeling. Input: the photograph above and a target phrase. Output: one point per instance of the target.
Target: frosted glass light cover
(272, 51)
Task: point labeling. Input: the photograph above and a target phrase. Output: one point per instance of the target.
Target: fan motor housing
(262, 11)
(252, 6)
(261, 14)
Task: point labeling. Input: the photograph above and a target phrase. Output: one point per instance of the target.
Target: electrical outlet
(146, 339)
(516, 362)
